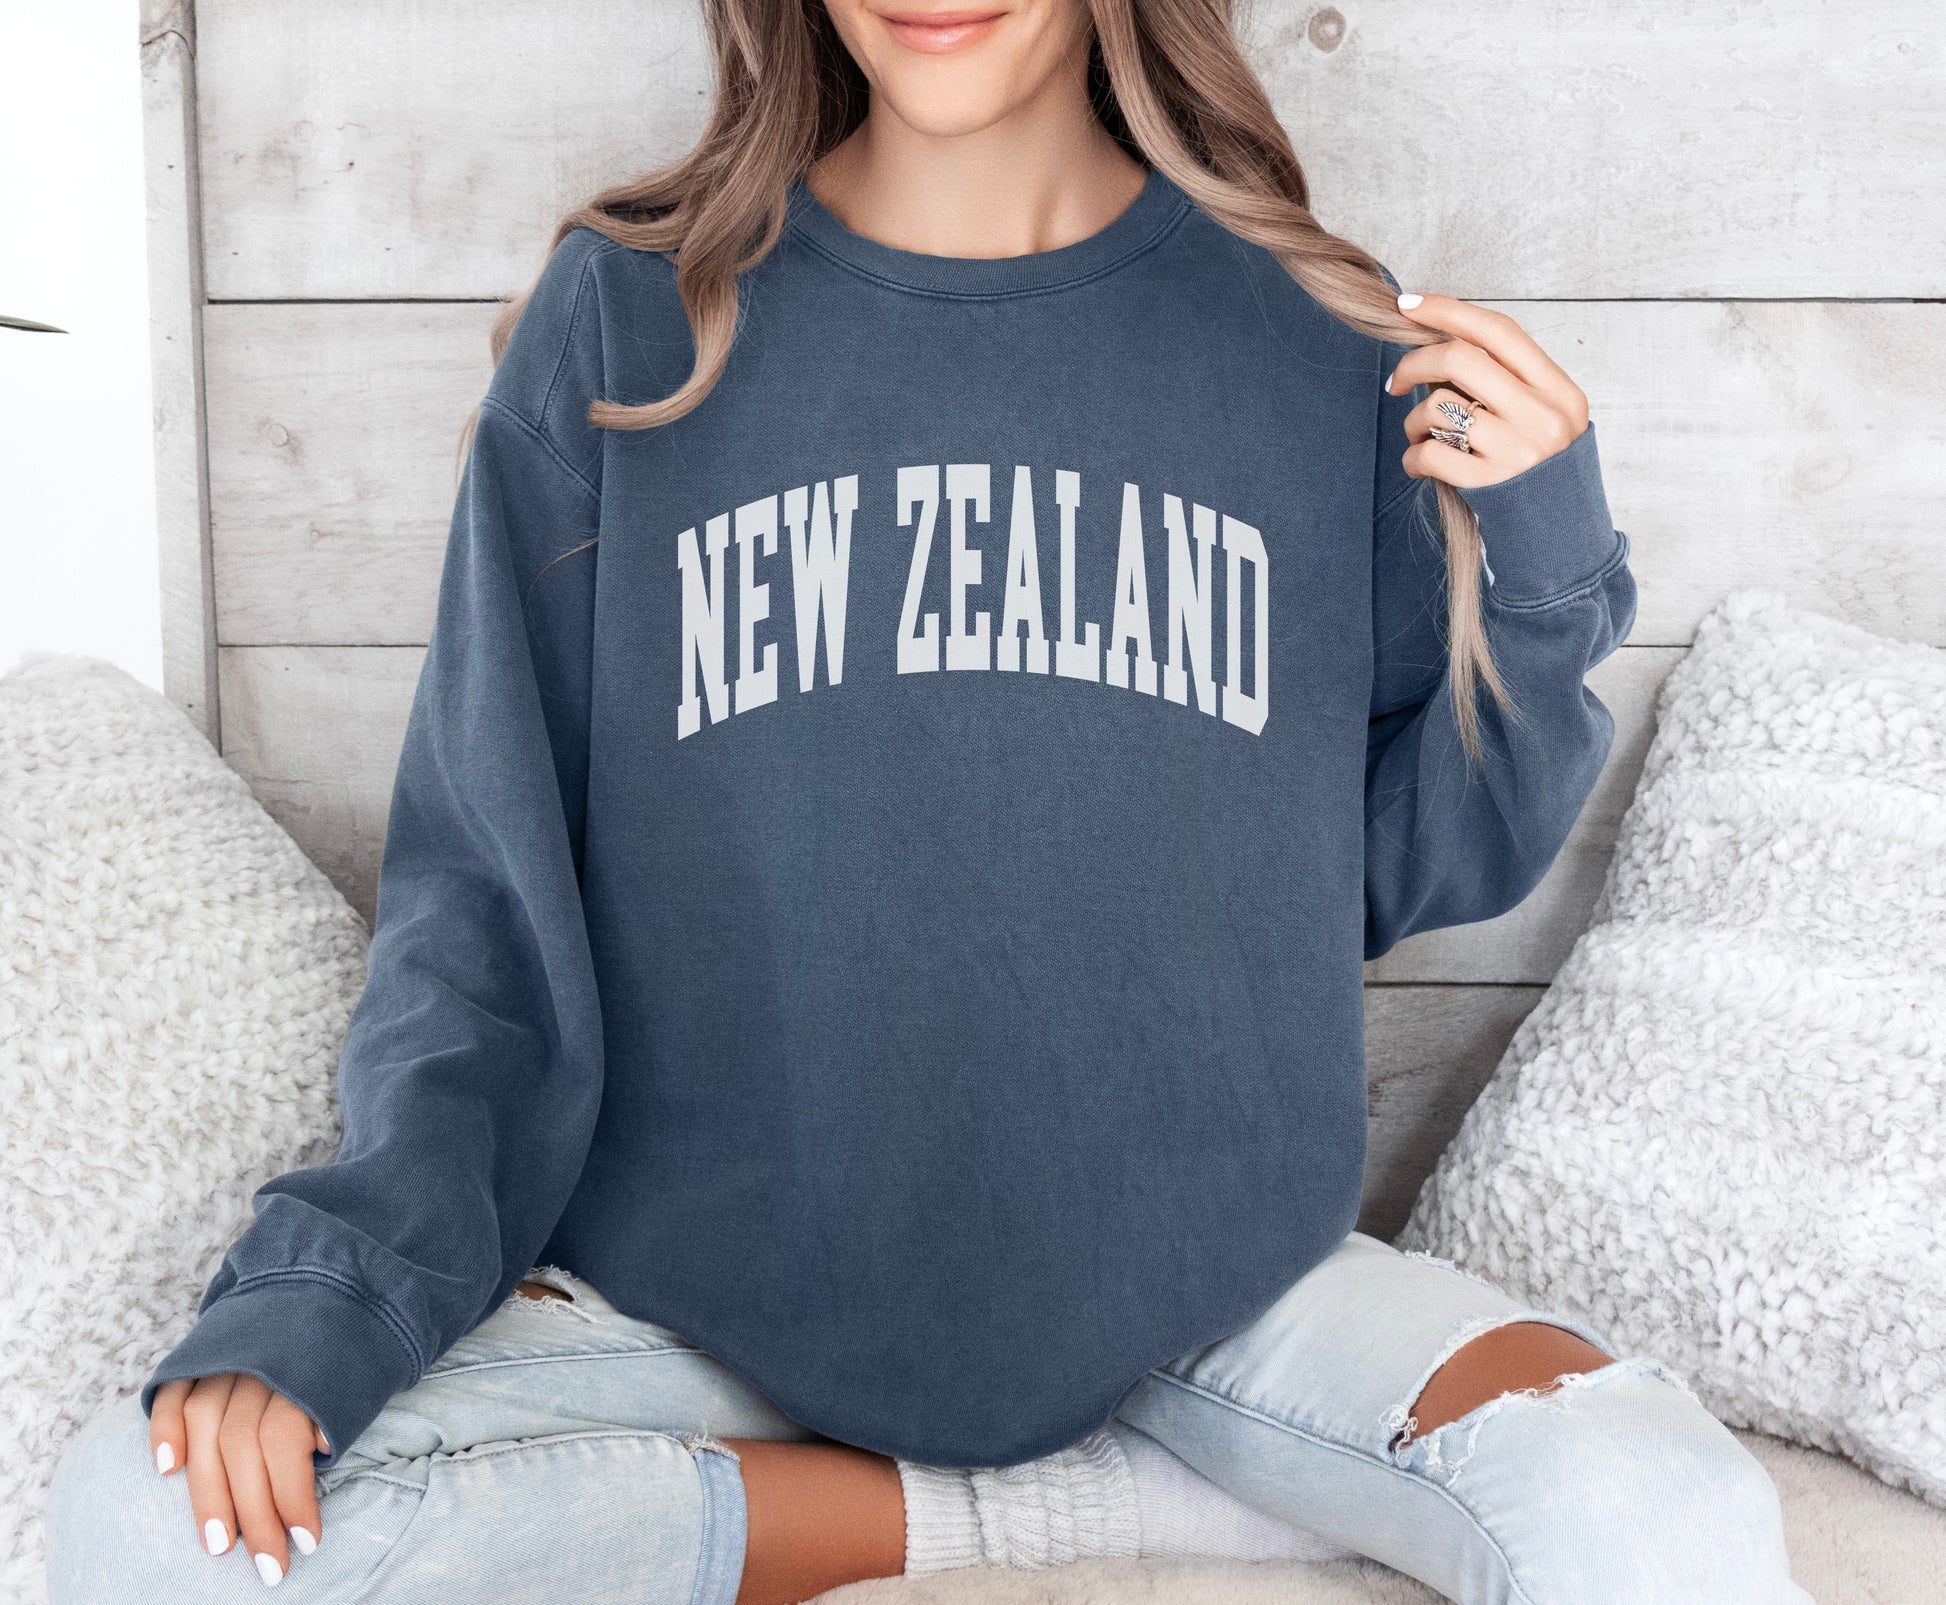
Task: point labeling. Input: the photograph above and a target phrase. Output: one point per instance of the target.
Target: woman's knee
(1518, 1356)
(1699, 1493)
(102, 1467)
(106, 1504)
(1617, 1485)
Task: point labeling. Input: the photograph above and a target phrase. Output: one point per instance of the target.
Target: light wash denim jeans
(566, 1452)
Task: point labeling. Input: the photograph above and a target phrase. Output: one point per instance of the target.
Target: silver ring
(1462, 419)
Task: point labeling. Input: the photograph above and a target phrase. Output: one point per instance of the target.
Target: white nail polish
(216, 1537)
(1409, 299)
(165, 1458)
(302, 1541)
(1390, 377)
(269, 1570)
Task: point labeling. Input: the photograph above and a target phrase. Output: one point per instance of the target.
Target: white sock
(1115, 1493)
(1074, 1504)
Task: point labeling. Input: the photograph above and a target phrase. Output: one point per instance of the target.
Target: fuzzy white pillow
(176, 979)
(1719, 1135)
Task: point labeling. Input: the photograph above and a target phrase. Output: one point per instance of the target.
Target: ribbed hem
(942, 1530)
(1548, 530)
(308, 1335)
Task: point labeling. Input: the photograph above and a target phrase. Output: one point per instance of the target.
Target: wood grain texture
(1533, 148)
(427, 148)
(1622, 148)
(317, 730)
(334, 433)
(1749, 443)
(1428, 1052)
(175, 274)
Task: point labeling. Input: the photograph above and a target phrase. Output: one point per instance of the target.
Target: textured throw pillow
(175, 982)
(1719, 1134)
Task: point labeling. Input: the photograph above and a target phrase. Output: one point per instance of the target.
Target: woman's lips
(937, 32)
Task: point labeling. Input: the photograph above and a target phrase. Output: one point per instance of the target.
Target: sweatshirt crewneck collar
(1157, 207)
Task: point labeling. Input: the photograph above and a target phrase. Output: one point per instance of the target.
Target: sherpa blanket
(1720, 1135)
(175, 981)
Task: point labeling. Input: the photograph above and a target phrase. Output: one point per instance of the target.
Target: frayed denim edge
(575, 1305)
(725, 1525)
(1556, 1396)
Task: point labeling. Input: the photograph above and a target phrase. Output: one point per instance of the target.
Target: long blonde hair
(1168, 82)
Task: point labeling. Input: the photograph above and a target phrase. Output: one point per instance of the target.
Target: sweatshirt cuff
(327, 1348)
(1548, 530)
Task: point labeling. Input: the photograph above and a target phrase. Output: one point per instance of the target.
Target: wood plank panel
(1533, 148)
(427, 147)
(316, 731)
(1748, 443)
(1596, 149)
(175, 260)
(1428, 1052)
(333, 439)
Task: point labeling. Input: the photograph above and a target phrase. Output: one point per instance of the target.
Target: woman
(908, 967)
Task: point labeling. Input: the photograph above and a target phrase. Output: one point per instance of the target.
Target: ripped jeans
(563, 1451)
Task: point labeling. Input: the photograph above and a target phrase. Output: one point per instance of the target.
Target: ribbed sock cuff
(1075, 1504)
(942, 1529)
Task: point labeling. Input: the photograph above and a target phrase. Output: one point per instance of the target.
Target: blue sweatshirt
(880, 868)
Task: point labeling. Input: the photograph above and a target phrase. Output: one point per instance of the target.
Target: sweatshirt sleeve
(1448, 842)
(471, 1072)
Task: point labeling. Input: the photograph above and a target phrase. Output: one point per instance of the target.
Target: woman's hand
(247, 1453)
(1527, 408)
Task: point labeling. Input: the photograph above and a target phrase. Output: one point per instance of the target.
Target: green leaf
(24, 323)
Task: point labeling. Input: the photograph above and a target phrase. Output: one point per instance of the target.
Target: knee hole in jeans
(1520, 1356)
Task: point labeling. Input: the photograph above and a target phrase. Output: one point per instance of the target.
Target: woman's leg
(1358, 1407)
(559, 1440)
(818, 1515)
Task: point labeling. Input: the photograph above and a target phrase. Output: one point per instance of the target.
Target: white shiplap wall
(1726, 221)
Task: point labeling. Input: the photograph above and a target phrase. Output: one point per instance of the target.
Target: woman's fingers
(1512, 347)
(247, 1453)
(1434, 459)
(1494, 443)
(288, 1438)
(1529, 408)
(1489, 434)
(1532, 409)
(166, 1439)
(209, 1488)
(1498, 450)
(1478, 373)
(243, 1464)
